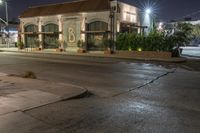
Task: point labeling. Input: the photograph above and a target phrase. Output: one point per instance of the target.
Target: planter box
(20, 47)
(36, 49)
(108, 52)
(81, 50)
(145, 54)
(59, 50)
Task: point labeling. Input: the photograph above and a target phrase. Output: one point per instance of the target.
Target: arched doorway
(97, 34)
(51, 35)
(31, 35)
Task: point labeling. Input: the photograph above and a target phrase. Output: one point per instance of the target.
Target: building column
(22, 32)
(40, 30)
(114, 12)
(83, 28)
(115, 26)
(60, 25)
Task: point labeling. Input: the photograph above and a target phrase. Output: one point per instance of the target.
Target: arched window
(51, 28)
(95, 39)
(31, 28)
(31, 35)
(98, 26)
(51, 36)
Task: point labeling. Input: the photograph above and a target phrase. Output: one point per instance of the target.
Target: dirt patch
(27, 74)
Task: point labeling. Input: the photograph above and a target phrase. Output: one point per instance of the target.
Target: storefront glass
(31, 35)
(51, 36)
(95, 39)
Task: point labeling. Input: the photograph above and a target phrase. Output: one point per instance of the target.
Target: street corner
(64, 91)
(21, 94)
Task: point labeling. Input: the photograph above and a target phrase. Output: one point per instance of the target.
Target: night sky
(166, 10)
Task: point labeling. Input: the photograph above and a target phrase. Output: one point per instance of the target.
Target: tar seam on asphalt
(150, 82)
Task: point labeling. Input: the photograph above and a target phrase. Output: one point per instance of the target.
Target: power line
(189, 15)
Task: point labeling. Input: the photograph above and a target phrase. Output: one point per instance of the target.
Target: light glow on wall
(129, 13)
(60, 27)
(83, 29)
(118, 26)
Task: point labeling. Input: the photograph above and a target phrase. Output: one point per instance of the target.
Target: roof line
(62, 14)
(52, 4)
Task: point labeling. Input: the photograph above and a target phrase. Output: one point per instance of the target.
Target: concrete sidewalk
(20, 94)
(93, 54)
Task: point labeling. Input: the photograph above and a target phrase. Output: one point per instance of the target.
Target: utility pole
(7, 20)
(6, 7)
(113, 12)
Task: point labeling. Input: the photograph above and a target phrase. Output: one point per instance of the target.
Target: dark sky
(165, 9)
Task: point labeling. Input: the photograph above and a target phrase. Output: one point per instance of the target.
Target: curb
(172, 60)
(83, 93)
(65, 94)
(77, 96)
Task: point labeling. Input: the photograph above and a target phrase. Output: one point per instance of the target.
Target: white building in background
(193, 22)
(92, 21)
(8, 35)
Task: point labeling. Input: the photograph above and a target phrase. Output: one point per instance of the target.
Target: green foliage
(155, 41)
(57, 43)
(183, 33)
(81, 44)
(20, 44)
(196, 31)
(108, 43)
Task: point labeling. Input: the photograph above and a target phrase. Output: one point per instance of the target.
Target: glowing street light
(160, 26)
(147, 19)
(148, 11)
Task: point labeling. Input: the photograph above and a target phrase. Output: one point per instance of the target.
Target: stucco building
(91, 21)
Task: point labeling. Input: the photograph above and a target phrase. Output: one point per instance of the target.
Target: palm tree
(183, 34)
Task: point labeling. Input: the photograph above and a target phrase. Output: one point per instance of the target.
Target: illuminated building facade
(91, 21)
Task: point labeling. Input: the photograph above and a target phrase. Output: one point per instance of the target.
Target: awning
(32, 33)
(94, 32)
(28, 33)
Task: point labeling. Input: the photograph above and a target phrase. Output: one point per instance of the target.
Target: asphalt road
(126, 97)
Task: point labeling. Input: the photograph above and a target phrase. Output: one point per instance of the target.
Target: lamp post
(6, 22)
(6, 6)
(148, 19)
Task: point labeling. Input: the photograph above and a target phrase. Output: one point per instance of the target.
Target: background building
(91, 21)
(8, 35)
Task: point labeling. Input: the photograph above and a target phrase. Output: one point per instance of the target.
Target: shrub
(20, 44)
(108, 43)
(155, 41)
(81, 44)
(29, 74)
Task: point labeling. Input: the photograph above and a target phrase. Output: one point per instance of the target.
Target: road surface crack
(150, 82)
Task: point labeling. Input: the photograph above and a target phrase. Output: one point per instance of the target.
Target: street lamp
(148, 14)
(6, 6)
(148, 11)
(7, 23)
